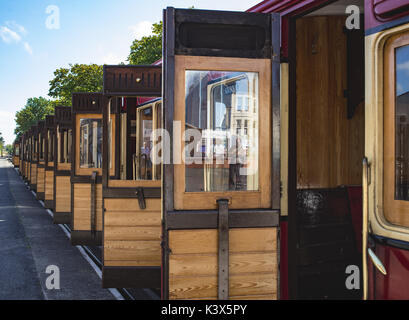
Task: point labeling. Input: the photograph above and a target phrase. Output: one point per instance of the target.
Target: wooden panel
(239, 285)
(322, 108)
(33, 178)
(40, 180)
(133, 251)
(82, 206)
(63, 194)
(241, 240)
(252, 262)
(64, 166)
(49, 185)
(134, 183)
(132, 236)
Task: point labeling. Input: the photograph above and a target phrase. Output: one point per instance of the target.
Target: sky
(38, 36)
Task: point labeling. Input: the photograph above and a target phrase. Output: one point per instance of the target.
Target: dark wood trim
(62, 173)
(168, 113)
(223, 249)
(131, 277)
(62, 217)
(177, 220)
(153, 193)
(85, 238)
(40, 196)
(49, 204)
(85, 179)
(292, 165)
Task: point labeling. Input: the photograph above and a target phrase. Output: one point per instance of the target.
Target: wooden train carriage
(24, 152)
(34, 156)
(49, 141)
(62, 165)
(132, 199)
(28, 155)
(42, 140)
(221, 199)
(86, 169)
(16, 153)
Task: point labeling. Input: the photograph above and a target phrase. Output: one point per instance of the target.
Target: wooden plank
(240, 285)
(63, 194)
(40, 180)
(132, 205)
(132, 263)
(132, 233)
(205, 241)
(206, 265)
(132, 250)
(82, 206)
(49, 185)
(140, 218)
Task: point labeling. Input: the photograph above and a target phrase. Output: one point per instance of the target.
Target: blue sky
(90, 31)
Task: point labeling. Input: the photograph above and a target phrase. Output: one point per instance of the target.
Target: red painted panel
(395, 285)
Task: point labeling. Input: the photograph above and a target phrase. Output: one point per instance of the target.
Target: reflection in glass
(144, 143)
(402, 124)
(65, 138)
(90, 143)
(221, 150)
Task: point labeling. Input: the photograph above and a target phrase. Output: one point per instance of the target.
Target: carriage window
(42, 146)
(17, 153)
(221, 153)
(402, 124)
(90, 143)
(65, 138)
(50, 146)
(144, 143)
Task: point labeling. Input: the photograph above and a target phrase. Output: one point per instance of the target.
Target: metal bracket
(141, 198)
(223, 258)
(93, 204)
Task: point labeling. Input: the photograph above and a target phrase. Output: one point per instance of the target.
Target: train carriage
(86, 167)
(132, 198)
(16, 153)
(62, 165)
(34, 157)
(42, 140)
(49, 141)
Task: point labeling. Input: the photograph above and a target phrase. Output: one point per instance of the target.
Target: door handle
(377, 262)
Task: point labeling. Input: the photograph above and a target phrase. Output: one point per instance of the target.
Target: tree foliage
(148, 49)
(35, 109)
(76, 78)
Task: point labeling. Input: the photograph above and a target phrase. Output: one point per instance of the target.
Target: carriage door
(221, 171)
(386, 166)
(132, 197)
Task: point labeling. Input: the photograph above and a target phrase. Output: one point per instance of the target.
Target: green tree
(34, 110)
(9, 149)
(76, 78)
(148, 49)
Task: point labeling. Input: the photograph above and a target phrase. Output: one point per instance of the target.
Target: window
(215, 102)
(50, 140)
(149, 118)
(90, 143)
(65, 141)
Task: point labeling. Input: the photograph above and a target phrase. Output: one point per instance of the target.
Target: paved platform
(30, 242)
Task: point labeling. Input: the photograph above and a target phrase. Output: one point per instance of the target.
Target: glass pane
(50, 146)
(221, 149)
(402, 124)
(90, 143)
(145, 125)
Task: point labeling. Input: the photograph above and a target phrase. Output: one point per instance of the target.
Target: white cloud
(13, 32)
(142, 29)
(28, 48)
(9, 35)
(15, 26)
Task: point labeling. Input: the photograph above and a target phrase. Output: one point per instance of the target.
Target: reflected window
(90, 143)
(402, 124)
(221, 153)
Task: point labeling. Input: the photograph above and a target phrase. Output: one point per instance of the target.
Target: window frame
(237, 199)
